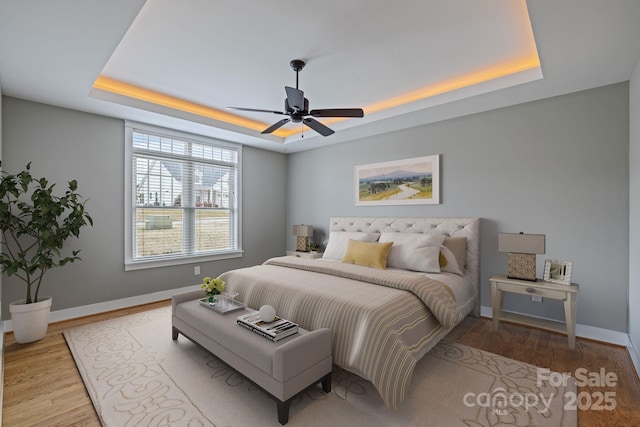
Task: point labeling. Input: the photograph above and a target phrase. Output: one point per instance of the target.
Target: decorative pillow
(454, 258)
(448, 261)
(368, 254)
(339, 240)
(413, 251)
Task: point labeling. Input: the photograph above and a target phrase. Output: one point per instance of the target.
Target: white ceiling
(359, 53)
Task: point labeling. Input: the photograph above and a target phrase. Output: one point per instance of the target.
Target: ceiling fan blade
(295, 98)
(337, 112)
(317, 126)
(276, 126)
(255, 110)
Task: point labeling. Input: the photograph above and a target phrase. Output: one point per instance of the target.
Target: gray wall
(557, 166)
(64, 145)
(634, 207)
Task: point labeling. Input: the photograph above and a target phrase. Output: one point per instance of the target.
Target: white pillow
(339, 241)
(413, 251)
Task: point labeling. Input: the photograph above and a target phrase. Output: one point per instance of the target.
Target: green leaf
(36, 223)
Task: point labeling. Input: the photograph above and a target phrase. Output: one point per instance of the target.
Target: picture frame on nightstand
(556, 271)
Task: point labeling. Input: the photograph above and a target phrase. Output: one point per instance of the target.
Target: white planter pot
(30, 321)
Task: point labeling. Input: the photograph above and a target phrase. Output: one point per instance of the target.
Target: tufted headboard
(455, 227)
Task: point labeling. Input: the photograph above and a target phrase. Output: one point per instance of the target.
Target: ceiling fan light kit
(296, 106)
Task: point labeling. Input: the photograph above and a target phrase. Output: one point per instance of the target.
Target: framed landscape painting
(413, 181)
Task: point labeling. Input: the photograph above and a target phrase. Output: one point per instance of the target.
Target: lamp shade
(521, 243)
(303, 230)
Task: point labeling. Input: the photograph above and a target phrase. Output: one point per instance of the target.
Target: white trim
(129, 213)
(166, 262)
(128, 197)
(101, 307)
(144, 127)
(604, 335)
(635, 355)
(584, 331)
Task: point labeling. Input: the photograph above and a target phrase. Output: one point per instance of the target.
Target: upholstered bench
(282, 369)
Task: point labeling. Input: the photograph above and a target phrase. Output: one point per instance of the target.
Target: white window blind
(183, 198)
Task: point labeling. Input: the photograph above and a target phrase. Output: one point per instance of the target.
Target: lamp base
(522, 266)
(302, 243)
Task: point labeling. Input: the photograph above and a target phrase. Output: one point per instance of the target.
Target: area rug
(136, 375)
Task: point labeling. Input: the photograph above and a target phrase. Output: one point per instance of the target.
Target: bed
(383, 320)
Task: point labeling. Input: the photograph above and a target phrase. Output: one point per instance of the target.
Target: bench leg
(283, 411)
(326, 383)
(174, 333)
(283, 407)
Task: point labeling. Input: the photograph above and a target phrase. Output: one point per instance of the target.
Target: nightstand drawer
(532, 290)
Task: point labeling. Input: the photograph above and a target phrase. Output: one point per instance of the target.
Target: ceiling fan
(296, 106)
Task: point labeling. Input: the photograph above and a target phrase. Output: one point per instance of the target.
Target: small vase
(211, 299)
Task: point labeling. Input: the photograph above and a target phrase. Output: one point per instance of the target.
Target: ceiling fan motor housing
(296, 116)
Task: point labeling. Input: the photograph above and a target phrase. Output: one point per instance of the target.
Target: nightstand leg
(496, 300)
(570, 318)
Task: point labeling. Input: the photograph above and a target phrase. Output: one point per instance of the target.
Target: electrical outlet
(196, 270)
(536, 298)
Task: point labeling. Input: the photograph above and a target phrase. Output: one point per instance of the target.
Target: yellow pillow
(367, 254)
(443, 260)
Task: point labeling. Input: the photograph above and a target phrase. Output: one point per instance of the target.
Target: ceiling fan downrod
(297, 65)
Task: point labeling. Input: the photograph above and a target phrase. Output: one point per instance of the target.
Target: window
(182, 194)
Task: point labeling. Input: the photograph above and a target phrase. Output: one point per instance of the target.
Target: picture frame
(556, 271)
(413, 181)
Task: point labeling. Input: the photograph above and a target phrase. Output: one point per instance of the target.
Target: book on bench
(274, 331)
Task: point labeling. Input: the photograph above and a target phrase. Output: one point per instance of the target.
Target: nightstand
(567, 293)
(310, 255)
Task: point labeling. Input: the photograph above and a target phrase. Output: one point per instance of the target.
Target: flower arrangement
(212, 287)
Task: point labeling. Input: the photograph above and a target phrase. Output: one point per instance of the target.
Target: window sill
(167, 262)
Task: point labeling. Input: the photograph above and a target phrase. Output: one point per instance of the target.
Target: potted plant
(35, 224)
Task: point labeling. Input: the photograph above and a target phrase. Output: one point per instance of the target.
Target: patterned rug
(137, 375)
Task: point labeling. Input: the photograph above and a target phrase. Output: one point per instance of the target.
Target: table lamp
(302, 233)
(522, 249)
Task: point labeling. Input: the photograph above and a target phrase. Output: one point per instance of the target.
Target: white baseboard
(597, 334)
(87, 310)
(583, 331)
(635, 355)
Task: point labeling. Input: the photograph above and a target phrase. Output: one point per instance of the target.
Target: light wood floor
(42, 386)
